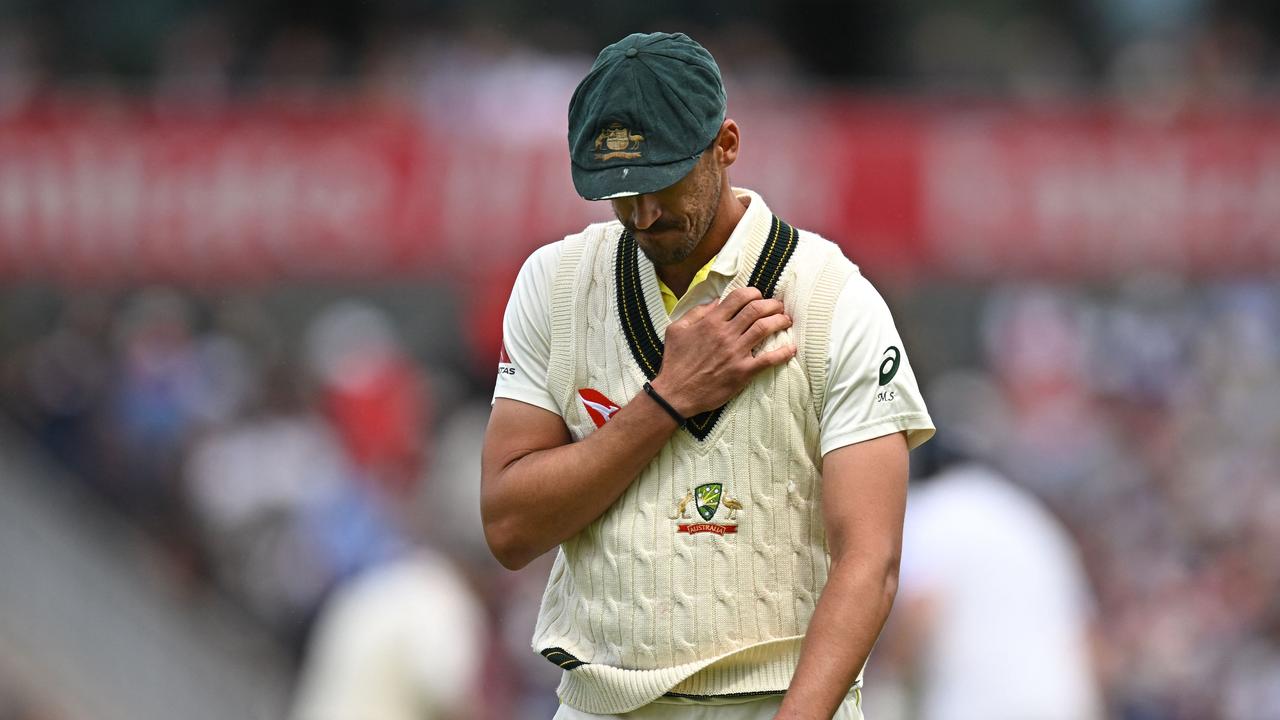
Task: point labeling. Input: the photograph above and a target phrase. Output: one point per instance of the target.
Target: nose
(644, 211)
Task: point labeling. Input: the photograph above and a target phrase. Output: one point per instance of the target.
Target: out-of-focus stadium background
(254, 256)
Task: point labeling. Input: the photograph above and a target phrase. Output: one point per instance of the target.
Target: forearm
(845, 624)
(538, 488)
(533, 500)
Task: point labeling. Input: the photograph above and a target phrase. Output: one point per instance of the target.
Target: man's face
(669, 224)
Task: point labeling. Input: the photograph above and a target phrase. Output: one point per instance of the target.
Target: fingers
(774, 357)
(764, 327)
(754, 311)
(747, 317)
(736, 300)
(709, 350)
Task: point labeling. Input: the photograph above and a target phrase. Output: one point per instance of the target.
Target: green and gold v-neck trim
(637, 322)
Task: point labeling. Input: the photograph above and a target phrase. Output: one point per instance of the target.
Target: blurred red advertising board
(88, 193)
(1093, 193)
(109, 193)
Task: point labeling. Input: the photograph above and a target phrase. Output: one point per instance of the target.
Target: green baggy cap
(640, 119)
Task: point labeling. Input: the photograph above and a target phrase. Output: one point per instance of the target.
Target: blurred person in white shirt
(404, 641)
(992, 620)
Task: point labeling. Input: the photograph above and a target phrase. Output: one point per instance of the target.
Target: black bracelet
(675, 415)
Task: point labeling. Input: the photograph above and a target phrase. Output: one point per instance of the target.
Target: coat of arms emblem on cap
(620, 142)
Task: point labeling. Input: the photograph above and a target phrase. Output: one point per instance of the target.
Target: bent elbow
(499, 530)
(513, 528)
(508, 549)
(509, 558)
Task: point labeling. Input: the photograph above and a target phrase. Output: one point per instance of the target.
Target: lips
(646, 235)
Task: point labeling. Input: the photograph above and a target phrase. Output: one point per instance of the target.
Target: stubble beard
(662, 256)
(675, 255)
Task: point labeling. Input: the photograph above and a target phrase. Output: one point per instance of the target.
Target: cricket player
(708, 412)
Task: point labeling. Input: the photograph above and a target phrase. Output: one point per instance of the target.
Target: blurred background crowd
(212, 51)
(268, 415)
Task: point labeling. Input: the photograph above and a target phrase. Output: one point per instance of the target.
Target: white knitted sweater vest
(701, 579)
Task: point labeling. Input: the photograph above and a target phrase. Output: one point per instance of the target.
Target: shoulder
(815, 249)
(860, 313)
(856, 291)
(542, 264)
(818, 270)
(594, 236)
(544, 259)
(859, 292)
(609, 230)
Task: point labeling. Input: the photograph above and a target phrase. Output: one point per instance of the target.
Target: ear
(726, 143)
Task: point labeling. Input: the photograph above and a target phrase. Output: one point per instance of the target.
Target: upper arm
(516, 429)
(864, 497)
(525, 417)
(871, 389)
(526, 332)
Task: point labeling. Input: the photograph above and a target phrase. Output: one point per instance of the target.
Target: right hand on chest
(708, 355)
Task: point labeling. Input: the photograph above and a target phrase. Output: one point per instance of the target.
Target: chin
(664, 254)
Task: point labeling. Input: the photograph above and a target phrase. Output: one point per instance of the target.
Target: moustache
(653, 229)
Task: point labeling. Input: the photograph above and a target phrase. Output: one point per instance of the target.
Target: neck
(728, 213)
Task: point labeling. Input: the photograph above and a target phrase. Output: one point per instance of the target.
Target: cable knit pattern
(648, 608)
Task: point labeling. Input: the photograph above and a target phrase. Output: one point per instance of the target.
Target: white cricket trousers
(764, 709)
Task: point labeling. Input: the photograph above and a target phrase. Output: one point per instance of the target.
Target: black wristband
(675, 414)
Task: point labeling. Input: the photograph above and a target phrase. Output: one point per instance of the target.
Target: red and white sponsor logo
(695, 528)
(505, 366)
(599, 407)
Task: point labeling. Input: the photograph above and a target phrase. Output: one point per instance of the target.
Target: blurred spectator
(284, 513)
(1253, 677)
(993, 617)
(451, 505)
(152, 407)
(64, 378)
(372, 393)
(993, 606)
(404, 641)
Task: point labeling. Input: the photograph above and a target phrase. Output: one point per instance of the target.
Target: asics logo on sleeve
(599, 407)
(889, 366)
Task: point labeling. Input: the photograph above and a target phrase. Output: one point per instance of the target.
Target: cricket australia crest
(707, 500)
(617, 142)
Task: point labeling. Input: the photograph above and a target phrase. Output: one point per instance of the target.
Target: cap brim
(627, 180)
